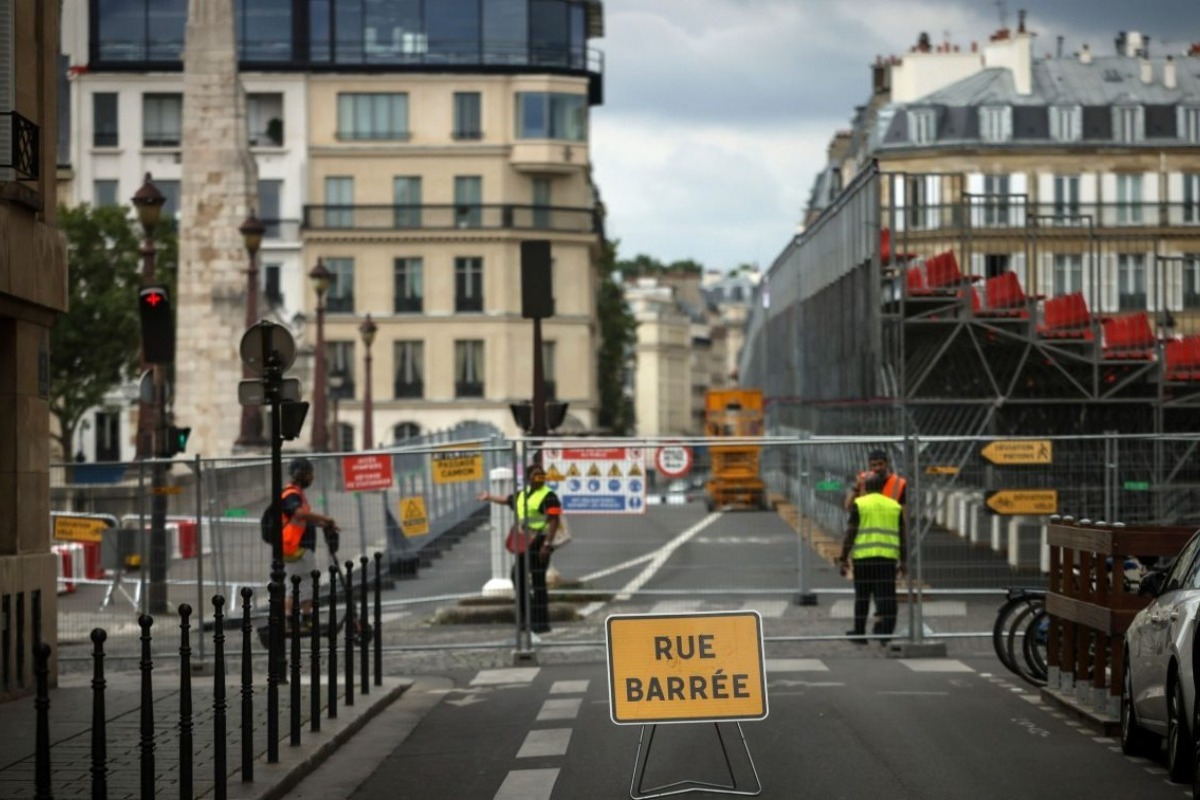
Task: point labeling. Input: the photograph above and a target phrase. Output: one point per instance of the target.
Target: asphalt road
(853, 725)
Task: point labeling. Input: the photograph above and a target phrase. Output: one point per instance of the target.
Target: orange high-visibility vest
(893, 487)
(293, 530)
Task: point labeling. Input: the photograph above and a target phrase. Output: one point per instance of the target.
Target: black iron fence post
(364, 637)
(350, 625)
(275, 592)
(333, 644)
(247, 690)
(146, 743)
(378, 628)
(220, 768)
(99, 724)
(295, 677)
(41, 703)
(314, 690)
(185, 702)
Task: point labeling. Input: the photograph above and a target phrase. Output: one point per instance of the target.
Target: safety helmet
(299, 466)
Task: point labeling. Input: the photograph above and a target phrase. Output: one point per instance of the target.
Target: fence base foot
(523, 658)
(917, 650)
(806, 599)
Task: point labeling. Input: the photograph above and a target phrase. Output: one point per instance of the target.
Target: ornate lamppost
(251, 434)
(321, 279)
(367, 330)
(148, 202)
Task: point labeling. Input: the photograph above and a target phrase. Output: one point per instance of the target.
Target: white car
(1158, 697)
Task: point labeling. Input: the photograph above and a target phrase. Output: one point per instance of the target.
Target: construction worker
(877, 463)
(875, 542)
(300, 525)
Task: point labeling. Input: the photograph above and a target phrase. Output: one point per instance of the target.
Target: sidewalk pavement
(71, 722)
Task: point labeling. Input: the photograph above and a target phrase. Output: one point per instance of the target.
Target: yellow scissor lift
(735, 479)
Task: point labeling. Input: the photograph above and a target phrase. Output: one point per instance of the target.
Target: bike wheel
(1037, 635)
(1015, 603)
(1015, 643)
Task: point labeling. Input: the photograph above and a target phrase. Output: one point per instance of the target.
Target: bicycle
(1021, 633)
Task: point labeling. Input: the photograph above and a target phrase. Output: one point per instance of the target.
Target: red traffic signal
(158, 325)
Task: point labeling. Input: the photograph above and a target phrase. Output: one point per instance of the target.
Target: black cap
(877, 455)
(298, 466)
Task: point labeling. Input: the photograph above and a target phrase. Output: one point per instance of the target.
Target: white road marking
(661, 555)
(560, 709)
(795, 665)
(676, 606)
(508, 675)
(548, 742)
(937, 694)
(527, 784)
(569, 687)
(935, 665)
(844, 609)
(767, 609)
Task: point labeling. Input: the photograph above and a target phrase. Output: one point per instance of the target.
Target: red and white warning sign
(673, 461)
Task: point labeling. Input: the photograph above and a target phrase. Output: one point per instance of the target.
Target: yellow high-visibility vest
(878, 528)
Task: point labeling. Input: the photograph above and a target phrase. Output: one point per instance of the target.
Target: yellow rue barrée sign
(705, 667)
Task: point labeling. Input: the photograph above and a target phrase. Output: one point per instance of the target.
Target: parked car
(1158, 698)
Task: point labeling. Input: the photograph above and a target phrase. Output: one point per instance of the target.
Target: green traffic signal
(177, 439)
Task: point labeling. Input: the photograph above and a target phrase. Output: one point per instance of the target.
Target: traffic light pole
(276, 664)
(158, 498)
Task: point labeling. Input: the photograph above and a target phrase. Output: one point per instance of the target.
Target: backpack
(268, 524)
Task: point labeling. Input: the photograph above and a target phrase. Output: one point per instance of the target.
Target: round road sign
(673, 461)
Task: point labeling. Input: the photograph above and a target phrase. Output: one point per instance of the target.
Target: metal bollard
(364, 636)
(41, 702)
(333, 645)
(295, 704)
(247, 689)
(350, 625)
(314, 690)
(220, 764)
(146, 743)
(377, 630)
(275, 591)
(99, 723)
(185, 702)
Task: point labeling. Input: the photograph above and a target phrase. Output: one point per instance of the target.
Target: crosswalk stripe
(547, 742)
(569, 687)
(935, 665)
(527, 784)
(487, 677)
(560, 709)
(775, 665)
(844, 609)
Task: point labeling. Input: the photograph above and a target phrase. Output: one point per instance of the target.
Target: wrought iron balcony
(24, 145)
(409, 389)
(451, 217)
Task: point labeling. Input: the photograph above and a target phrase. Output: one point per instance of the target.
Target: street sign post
(673, 461)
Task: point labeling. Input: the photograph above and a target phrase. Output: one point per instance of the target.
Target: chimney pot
(1147, 70)
(1085, 55)
(1170, 77)
(1021, 21)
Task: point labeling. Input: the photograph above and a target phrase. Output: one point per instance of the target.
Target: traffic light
(177, 440)
(158, 327)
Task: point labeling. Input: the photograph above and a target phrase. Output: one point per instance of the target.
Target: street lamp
(321, 279)
(336, 381)
(367, 329)
(152, 425)
(252, 230)
(147, 202)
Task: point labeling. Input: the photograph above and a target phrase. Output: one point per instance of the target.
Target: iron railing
(23, 138)
(444, 217)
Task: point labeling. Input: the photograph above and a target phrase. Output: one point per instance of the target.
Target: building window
(171, 191)
(409, 358)
(1128, 125)
(541, 203)
(1189, 124)
(409, 292)
(270, 198)
(1129, 199)
(467, 121)
(551, 115)
(1068, 274)
(162, 120)
(468, 284)
(1066, 196)
(995, 123)
(405, 430)
(1191, 281)
(372, 116)
(1191, 197)
(406, 197)
(916, 201)
(340, 297)
(271, 284)
(549, 371)
(922, 125)
(264, 118)
(105, 129)
(1066, 123)
(104, 193)
(995, 264)
(1131, 282)
(339, 202)
(468, 368)
(995, 200)
(339, 361)
(468, 197)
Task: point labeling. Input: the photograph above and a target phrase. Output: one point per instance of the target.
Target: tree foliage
(644, 265)
(618, 335)
(96, 344)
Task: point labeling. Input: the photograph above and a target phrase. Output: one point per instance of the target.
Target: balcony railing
(451, 217)
(20, 142)
(409, 389)
(462, 389)
(1014, 211)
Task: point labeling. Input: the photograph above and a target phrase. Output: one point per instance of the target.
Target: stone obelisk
(218, 190)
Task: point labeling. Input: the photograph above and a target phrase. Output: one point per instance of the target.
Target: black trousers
(875, 577)
(533, 601)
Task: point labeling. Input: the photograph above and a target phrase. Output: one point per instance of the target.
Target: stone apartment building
(33, 275)
(410, 147)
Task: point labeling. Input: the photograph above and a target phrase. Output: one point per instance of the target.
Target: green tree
(639, 265)
(686, 265)
(96, 344)
(618, 335)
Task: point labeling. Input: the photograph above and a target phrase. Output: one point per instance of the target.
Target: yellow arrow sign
(1023, 501)
(1019, 451)
(941, 470)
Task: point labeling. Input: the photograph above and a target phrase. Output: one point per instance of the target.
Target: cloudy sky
(717, 113)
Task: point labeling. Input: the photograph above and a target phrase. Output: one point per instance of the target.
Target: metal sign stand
(639, 792)
(117, 584)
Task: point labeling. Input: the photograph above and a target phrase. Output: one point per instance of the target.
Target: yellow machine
(735, 479)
